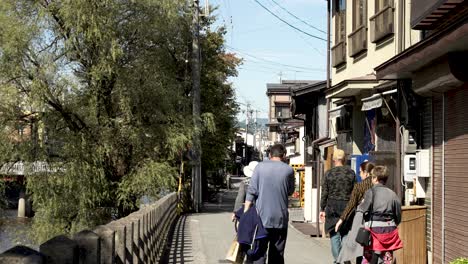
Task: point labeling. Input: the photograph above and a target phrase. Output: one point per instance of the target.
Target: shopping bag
(233, 253)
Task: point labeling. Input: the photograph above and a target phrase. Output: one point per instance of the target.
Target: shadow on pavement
(179, 248)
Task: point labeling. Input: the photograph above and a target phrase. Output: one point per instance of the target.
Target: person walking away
(384, 216)
(350, 249)
(243, 186)
(240, 200)
(336, 190)
(271, 184)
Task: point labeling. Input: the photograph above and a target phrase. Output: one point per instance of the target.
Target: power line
(311, 45)
(299, 34)
(267, 67)
(303, 21)
(284, 21)
(221, 12)
(270, 61)
(274, 72)
(281, 67)
(275, 26)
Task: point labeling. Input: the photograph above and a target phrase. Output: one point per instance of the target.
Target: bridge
(158, 233)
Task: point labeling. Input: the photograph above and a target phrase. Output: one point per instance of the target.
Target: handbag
(234, 254)
(364, 236)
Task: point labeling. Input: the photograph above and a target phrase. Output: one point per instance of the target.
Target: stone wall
(138, 238)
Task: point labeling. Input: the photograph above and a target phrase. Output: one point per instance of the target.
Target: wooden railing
(382, 24)
(357, 41)
(138, 238)
(339, 54)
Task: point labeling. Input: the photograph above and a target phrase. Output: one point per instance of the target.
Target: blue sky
(268, 45)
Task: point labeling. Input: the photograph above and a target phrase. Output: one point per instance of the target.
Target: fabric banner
(372, 102)
(337, 112)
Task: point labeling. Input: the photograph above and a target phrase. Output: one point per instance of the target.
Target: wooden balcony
(382, 24)
(357, 41)
(426, 14)
(338, 54)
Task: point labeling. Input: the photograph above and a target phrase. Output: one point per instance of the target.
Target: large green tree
(106, 87)
(218, 97)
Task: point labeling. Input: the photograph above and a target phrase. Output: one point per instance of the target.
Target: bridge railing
(138, 238)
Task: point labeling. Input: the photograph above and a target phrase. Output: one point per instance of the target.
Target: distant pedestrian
(337, 186)
(271, 184)
(351, 250)
(384, 216)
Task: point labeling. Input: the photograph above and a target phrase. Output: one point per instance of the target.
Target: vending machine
(356, 161)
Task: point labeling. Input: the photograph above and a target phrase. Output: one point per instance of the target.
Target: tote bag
(234, 253)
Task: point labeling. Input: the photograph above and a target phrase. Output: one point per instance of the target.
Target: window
(380, 4)
(382, 23)
(282, 111)
(340, 20)
(343, 123)
(359, 13)
(358, 38)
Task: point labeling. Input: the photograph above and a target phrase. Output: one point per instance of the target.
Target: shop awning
(375, 101)
(337, 112)
(369, 103)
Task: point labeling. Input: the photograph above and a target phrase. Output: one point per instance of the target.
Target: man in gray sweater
(271, 184)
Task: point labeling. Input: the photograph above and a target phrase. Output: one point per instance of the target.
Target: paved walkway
(205, 238)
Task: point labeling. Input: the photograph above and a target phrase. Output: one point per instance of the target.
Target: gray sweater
(271, 184)
(241, 194)
(386, 207)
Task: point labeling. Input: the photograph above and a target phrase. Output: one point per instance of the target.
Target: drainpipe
(443, 178)
(327, 133)
(398, 171)
(401, 26)
(319, 170)
(319, 167)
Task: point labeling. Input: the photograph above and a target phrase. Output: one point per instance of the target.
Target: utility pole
(247, 121)
(197, 151)
(255, 130)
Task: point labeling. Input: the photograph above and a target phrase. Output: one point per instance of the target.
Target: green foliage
(460, 261)
(218, 97)
(152, 179)
(103, 87)
(68, 201)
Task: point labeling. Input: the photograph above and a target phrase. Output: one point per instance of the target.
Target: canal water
(14, 230)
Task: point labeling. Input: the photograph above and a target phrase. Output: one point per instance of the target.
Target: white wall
(322, 111)
(310, 197)
(299, 160)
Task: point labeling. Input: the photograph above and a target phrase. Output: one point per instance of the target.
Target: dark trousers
(273, 247)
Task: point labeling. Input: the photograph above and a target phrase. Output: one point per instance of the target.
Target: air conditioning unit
(420, 186)
(423, 161)
(409, 141)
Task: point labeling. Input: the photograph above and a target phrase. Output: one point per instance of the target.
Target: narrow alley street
(205, 238)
